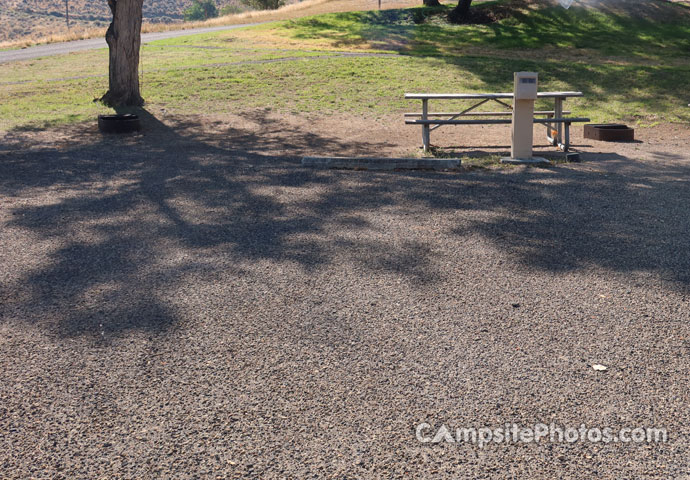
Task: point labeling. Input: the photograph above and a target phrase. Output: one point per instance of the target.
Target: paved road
(93, 43)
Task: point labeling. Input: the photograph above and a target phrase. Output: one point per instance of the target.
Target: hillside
(28, 21)
(24, 18)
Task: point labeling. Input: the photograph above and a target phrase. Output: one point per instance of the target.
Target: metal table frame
(482, 98)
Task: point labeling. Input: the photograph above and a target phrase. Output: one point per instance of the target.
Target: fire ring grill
(609, 132)
(121, 123)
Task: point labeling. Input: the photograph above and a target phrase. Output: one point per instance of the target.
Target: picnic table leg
(550, 132)
(566, 144)
(558, 113)
(426, 132)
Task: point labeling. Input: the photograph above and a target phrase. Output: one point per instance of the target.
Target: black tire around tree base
(122, 123)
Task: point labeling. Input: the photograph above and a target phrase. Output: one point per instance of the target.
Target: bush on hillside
(233, 8)
(265, 4)
(201, 10)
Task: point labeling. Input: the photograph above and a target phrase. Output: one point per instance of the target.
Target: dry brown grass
(295, 10)
(40, 38)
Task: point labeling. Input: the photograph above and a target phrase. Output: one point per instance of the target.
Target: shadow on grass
(648, 31)
(647, 91)
(617, 59)
(386, 30)
(603, 29)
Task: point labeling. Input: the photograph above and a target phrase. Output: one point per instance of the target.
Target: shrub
(201, 10)
(265, 4)
(233, 9)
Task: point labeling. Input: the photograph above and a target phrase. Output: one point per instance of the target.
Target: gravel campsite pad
(190, 302)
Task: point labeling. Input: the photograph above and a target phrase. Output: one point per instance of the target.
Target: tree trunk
(432, 3)
(124, 40)
(461, 12)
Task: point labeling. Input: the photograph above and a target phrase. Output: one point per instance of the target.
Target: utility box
(525, 86)
(522, 128)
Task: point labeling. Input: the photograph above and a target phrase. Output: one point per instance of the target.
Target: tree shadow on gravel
(125, 227)
(610, 213)
(133, 218)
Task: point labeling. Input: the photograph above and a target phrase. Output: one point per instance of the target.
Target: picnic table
(557, 124)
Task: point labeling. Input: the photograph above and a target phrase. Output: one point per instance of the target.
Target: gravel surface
(180, 306)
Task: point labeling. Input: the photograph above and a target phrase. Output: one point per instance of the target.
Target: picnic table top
(427, 96)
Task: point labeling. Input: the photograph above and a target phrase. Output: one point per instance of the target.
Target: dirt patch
(485, 14)
(269, 133)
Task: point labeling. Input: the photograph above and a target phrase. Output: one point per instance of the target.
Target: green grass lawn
(631, 69)
(425, 31)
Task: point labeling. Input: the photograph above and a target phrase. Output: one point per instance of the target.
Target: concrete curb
(525, 161)
(377, 163)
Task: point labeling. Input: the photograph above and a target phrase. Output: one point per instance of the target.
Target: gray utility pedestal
(522, 134)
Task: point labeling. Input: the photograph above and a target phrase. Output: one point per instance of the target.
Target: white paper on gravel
(566, 3)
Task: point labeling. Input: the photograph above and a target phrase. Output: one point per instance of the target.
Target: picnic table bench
(556, 122)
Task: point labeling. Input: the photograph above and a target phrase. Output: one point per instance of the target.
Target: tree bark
(461, 11)
(432, 3)
(124, 41)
